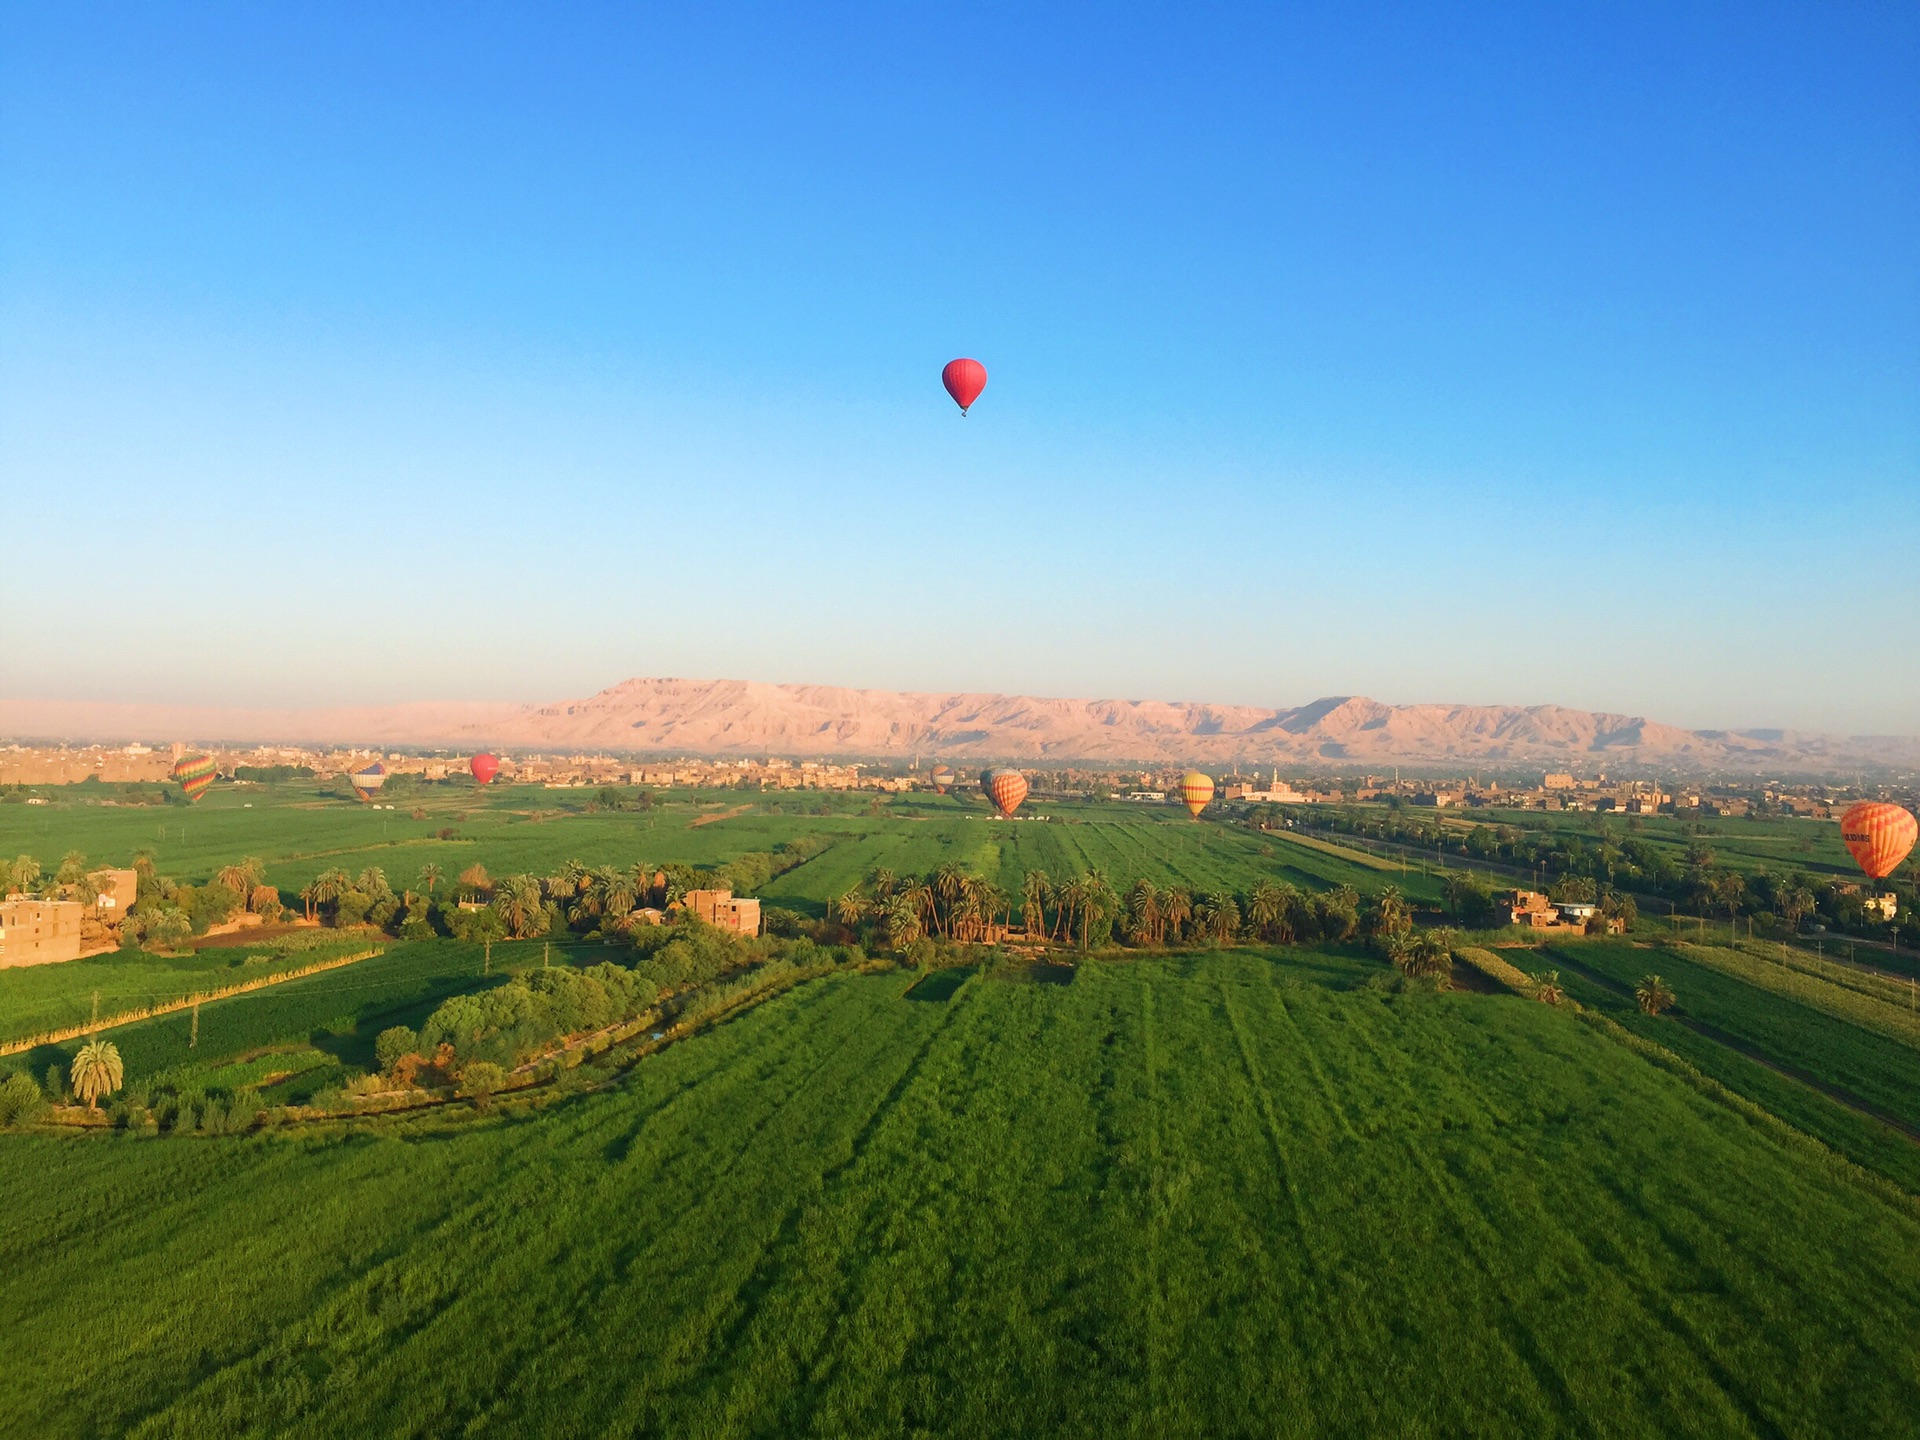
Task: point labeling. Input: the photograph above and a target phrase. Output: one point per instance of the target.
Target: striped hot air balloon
(484, 767)
(195, 773)
(1196, 792)
(367, 782)
(942, 779)
(1006, 789)
(1878, 835)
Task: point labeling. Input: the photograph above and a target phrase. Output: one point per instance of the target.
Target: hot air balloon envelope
(367, 782)
(964, 379)
(1196, 792)
(1006, 789)
(484, 767)
(942, 779)
(195, 773)
(1878, 835)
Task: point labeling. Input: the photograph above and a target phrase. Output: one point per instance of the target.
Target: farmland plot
(1221, 1194)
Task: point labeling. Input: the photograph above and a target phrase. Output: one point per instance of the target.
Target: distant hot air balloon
(1196, 792)
(195, 773)
(942, 779)
(367, 782)
(484, 767)
(1878, 835)
(1006, 788)
(964, 379)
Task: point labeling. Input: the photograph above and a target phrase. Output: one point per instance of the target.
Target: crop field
(1775, 843)
(1882, 1072)
(1866, 1141)
(298, 835)
(313, 1026)
(1245, 1193)
(38, 999)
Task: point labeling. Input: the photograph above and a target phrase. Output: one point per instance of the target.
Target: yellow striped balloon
(1196, 792)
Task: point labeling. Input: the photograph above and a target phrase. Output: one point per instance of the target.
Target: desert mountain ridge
(745, 718)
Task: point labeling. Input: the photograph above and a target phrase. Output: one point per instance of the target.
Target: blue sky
(363, 353)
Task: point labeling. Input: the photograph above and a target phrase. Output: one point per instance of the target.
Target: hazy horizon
(1471, 359)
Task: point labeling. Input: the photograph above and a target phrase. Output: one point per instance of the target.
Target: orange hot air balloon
(1878, 836)
(195, 773)
(942, 779)
(964, 379)
(1006, 788)
(1196, 792)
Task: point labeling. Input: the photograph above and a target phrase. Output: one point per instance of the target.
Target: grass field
(1219, 1195)
(1882, 1072)
(509, 830)
(317, 1026)
(39, 999)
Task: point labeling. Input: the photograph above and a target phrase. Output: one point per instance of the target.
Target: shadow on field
(1040, 972)
(938, 987)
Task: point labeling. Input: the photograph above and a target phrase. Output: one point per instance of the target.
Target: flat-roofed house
(725, 910)
(39, 932)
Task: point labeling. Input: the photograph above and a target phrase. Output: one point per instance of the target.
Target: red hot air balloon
(1878, 835)
(484, 767)
(1006, 788)
(964, 379)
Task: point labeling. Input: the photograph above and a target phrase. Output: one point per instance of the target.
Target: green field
(510, 830)
(1881, 1071)
(1218, 1195)
(39, 999)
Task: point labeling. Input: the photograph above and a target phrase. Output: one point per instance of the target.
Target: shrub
(394, 1042)
(20, 1100)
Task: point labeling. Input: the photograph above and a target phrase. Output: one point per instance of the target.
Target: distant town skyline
(1469, 358)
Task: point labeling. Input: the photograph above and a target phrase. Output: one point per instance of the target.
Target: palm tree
(920, 898)
(96, 1071)
(264, 900)
(948, 885)
(1549, 992)
(23, 874)
(1069, 899)
(850, 909)
(234, 878)
(1143, 912)
(1222, 917)
(1097, 905)
(883, 881)
(1392, 916)
(519, 905)
(373, 883)
(611, 893)
(72, 866)
(430, 876)
(1426, 956)
(1036, 890)
(1653, 995)
(1267, 908)
(1176, 910)
(904, 923)
(327, 888)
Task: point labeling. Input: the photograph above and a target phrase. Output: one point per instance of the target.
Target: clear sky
(354, 353)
